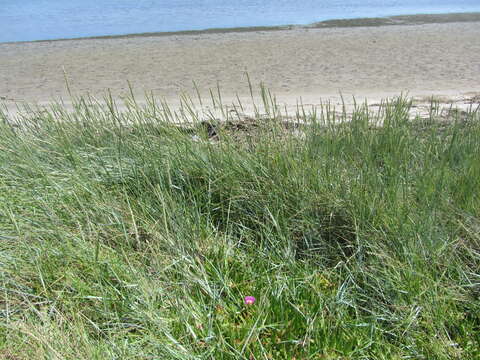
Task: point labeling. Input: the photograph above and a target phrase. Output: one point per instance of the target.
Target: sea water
(25, 20)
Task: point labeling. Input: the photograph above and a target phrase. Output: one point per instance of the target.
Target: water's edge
(418, 19)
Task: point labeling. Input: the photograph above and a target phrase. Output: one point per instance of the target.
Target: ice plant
(249, 300)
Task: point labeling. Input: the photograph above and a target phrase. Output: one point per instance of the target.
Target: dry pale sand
(440, 59)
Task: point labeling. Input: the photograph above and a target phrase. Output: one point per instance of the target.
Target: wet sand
(368, 58)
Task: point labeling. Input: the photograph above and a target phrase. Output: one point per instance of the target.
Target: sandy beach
(439, 58)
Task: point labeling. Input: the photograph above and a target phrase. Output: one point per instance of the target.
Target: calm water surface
(22, 20)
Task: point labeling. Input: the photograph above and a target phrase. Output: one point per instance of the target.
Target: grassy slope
(137, 242)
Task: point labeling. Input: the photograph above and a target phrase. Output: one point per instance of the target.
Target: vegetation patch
(135, 235)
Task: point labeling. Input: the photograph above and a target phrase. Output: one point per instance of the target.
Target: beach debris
(241, 127)
(473, 100)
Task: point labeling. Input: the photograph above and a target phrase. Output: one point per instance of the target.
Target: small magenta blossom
(249, 300)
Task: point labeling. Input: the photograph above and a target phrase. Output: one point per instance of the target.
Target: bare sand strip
(368, 58)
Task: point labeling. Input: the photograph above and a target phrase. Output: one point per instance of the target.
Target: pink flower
(249, 300)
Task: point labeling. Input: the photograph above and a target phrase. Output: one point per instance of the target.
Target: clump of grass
(128, 235)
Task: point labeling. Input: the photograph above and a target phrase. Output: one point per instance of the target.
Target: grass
(122, 236)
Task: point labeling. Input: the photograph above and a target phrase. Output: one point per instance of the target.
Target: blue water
(23, 20)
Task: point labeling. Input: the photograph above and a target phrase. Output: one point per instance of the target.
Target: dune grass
(126, 236)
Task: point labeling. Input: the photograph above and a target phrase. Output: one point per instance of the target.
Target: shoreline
(406, 56)
(414, 19)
